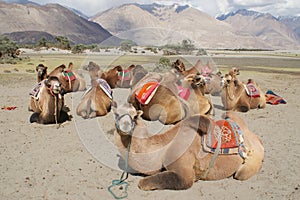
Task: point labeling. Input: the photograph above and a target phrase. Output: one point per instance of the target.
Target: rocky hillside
(263, 26)
(26, 20)
(159, 24)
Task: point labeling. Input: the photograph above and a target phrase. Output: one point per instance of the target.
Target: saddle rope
(212, 161)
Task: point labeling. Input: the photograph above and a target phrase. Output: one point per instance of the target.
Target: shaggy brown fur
(111, 76)
(179, 151)
(49, 107)
(41, 72)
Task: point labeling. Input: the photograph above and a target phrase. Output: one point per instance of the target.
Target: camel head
(71, 66)
(125, 117)
(227, 79)
(178, 65)
(195, 80)
(92, 66)
(41, 70)
(234, 72)
(53, 85)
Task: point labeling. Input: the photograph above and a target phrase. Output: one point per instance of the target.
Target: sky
(211, 7)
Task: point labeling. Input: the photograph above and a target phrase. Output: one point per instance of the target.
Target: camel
(176, 158)
(41, 72)
(198, 102)
(214, 81)
(235, 95)
(164, 105)
(138, 73)
(70, 81)
(234, 72)
(111, 76)
(124, 77)
(96, 101)
(48, 104)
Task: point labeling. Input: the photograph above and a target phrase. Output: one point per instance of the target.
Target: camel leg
(181, 176)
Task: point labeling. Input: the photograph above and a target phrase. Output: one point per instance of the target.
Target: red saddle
(146, 92)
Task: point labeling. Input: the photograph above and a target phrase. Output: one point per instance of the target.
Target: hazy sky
(211, 7)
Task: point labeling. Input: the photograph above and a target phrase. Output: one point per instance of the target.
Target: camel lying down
(176, 158)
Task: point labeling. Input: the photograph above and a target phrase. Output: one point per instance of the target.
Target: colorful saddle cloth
(145, 93)
(105, 87)
(35, 92)
(273, 98)
(232, 141)
(184, 93)
(124, 75)
(251, 90)
(69, 75)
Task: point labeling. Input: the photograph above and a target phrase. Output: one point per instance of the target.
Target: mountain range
(34, 21)
(151, 24)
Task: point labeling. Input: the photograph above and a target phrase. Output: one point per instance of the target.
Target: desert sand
(78, 160)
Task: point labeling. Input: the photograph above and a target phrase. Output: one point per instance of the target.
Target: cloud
(212, 7)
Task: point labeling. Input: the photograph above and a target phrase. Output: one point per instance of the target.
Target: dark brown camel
(41, 72)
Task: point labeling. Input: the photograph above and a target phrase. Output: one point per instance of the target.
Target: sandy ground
(78, 160)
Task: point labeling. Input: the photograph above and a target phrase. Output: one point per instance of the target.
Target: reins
(122, 180)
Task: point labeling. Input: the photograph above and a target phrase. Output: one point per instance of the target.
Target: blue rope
(121, 181)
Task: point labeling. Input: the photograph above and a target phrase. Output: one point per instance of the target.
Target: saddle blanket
(146, 92)
(124, 75)
(69, 75)
(231, 138)
(205, 70)
(251, 90)
(184, 93)
(273, 98)
(35, 92)
(105, 87)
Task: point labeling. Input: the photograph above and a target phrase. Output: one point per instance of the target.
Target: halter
(118, 118)
(122, 180)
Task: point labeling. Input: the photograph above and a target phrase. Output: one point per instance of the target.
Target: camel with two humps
(175, 159)
(96, 101)
(48, 105)
(237, 97)
(213, 80)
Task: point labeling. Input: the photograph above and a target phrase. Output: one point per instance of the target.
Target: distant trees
(63, 42)
(8, 48)
(185, 47)
(126, 45)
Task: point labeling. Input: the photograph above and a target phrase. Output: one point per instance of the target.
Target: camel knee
(166, 180)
